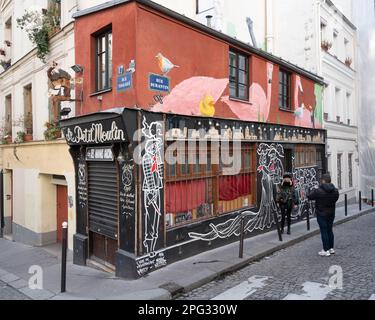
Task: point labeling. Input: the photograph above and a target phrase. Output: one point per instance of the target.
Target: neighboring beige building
(39, 182)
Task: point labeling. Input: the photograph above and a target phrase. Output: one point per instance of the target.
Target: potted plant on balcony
(2, 52)
(326, 45)
(53, 131)
(20, 137)
(8, 43)
(348, 61)
(28, 123)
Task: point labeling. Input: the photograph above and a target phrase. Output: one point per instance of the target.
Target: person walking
(325, 197)
(286, 198)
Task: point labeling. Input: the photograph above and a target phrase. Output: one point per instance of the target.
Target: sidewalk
(185, 275)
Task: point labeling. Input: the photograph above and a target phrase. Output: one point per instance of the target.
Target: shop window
(203, 191)
(238, 76)
(305, 157)
(104, 61)
(284, 90)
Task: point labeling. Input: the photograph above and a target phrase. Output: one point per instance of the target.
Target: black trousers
(286, 212)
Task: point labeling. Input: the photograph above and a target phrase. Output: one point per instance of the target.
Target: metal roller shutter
(103, 198)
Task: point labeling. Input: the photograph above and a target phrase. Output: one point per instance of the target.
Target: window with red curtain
(233, 187)
(182, 196)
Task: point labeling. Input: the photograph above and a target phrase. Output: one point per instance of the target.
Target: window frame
(108, 67)
(237, 68)
(288, 85)
(339, 171)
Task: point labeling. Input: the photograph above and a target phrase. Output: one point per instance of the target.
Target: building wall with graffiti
(171, 83)
(176, 68)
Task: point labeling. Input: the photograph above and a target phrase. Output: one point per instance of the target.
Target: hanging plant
(40, 26)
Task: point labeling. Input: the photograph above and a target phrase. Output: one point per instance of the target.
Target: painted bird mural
(207, 106)
(300, 112)
(165, 64)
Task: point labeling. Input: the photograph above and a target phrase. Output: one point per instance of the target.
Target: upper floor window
(104, 61)
(238, 76)
(284, 90)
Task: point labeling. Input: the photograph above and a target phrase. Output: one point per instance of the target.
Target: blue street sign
(159, 83)
(124, 82)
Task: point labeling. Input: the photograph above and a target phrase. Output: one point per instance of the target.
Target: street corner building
(152, 78)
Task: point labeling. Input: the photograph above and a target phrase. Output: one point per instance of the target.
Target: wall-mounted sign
(159, 83)
(121, 70)
(124, 82)
(100, 154)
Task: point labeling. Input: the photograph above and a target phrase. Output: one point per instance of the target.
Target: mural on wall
(260, 100)
(304, 180)
(152, 165)
(165, 64)
(207, 96)
(271, 169)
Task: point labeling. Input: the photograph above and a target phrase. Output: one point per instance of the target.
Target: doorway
(62, 210)
(288, 160)
(103, 208)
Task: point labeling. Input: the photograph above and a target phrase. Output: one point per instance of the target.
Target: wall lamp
(77, 68)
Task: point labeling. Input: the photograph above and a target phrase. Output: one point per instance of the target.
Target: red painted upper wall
(199, 82)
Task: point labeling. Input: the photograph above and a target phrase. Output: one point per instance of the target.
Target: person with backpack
(286, 199)
(325, 197)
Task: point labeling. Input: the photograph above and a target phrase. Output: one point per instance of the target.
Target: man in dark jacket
(325, 196)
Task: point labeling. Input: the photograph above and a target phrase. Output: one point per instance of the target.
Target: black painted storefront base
(80, 248)
(126, 266)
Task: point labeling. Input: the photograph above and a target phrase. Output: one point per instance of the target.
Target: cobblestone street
(298, 273)
(9, 293)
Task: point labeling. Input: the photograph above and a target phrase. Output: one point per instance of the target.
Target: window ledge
(240, 100)
(97, 93)
(286, 110)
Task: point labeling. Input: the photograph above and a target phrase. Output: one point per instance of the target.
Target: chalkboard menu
(82, 183)
(127, 205)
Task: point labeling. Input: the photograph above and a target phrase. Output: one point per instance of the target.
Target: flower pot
(28, 137)
(9, 140)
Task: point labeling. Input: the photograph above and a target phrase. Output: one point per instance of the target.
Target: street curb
(14, 282)
(266, 253)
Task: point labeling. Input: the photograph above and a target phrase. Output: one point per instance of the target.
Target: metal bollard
(346, 205)
(63, 255)
(372, 197)
(360, 200)
(242, 237)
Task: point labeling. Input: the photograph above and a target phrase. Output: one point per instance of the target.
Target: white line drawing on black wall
(152, 165)
(305, 179)
(271, 169)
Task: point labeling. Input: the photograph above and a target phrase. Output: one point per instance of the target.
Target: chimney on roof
(209, 20)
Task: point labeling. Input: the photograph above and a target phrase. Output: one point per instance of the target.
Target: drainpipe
(269, 26)
(2, 222)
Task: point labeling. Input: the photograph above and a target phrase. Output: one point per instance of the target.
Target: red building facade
(147, 68)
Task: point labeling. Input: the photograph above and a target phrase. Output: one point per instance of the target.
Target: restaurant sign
(100, 154)
(95, 133)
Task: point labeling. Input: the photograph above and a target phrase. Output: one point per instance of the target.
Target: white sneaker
(324, 253)
(332, 251)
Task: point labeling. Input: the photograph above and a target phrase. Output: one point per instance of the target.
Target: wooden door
(62, 209)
